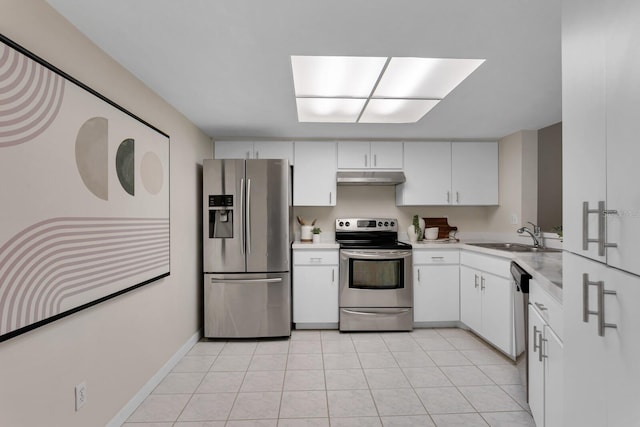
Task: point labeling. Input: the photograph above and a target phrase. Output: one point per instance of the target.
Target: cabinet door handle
(315, 260)
(333, 275)
(536, 343)
(375, 160)
(418, 275)
(330, 197)
(600, 313)
(365, 160)
(257, 154)
(448, 197)
(602, 238)
(541, 354)
(248, 155)
(482, 286)
(457, 197)
(437, 257)
(476, 281)
(540, 306)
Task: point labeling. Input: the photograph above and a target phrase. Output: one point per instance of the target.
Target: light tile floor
(428, 377)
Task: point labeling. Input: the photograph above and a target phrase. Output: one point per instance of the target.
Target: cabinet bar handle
(365, 160)
(437, 257)
(482, 286)
(330, 197)
(375, 160)
(476, 281)
(448, 198)
(457, 197)
(540, 306)
(600, 312)
(418, 275)
(257, 154)
(541, 354)
(602, 238)
(536, 345)
(333, 275)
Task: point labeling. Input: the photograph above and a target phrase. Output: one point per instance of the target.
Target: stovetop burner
(368, 233)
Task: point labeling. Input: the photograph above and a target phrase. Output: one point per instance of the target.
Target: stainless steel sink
(513, 247)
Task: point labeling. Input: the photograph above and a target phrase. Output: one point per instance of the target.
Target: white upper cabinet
(427, 168)
(254, 150)
(583, 121)
(623, 132)
(367, 155)
(449, 173)
(474, 173)
(314, 174)
(601, 124)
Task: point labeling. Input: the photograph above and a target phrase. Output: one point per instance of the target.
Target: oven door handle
(377, 254)
(386, 313)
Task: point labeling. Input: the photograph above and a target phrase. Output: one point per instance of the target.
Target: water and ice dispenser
(221, 216)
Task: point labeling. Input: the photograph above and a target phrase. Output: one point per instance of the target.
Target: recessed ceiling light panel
(431, 78)
(335, 76)
(396, 110)
(336, 110)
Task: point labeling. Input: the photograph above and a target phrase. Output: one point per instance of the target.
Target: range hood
(370, 177)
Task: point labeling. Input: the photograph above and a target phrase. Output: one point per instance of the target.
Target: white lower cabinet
(436, 285)
(486, 299)
(601, 371)
(546, 375)
(315, 288)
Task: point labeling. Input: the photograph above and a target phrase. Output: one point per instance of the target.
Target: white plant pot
(316, 238)
(305, 233)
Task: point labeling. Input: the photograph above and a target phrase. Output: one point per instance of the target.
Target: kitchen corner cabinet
(315, 288)
(254, 150)
(449, 173)
(436, 285)
(601, 370)
(486, 299)
(369, 155)
(546, 359)
(600, 130)
(314, 174)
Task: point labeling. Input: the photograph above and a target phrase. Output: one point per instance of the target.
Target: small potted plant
(316, 234)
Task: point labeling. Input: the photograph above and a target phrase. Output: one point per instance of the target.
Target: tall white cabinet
(601, 121)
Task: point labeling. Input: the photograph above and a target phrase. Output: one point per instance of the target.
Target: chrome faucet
(536, 234)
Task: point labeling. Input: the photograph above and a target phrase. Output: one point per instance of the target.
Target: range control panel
(367, 224)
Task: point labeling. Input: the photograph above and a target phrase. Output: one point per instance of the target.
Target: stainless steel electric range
(376, 281)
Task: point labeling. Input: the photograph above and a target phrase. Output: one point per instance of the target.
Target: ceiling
(225, 64)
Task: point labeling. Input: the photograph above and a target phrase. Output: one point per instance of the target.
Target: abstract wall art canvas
(84, 198)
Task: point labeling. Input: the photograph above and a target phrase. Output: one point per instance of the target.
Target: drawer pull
(437, 258)
(540, 306)
(315, 260)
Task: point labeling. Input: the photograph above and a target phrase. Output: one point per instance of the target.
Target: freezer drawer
(247, 305)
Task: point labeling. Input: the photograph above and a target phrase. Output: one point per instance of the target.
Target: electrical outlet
(514, 219)
(81, 395)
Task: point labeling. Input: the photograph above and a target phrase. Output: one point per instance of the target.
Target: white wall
(117, 345)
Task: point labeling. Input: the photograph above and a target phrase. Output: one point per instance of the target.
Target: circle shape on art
(151, 172)
(125, 165)
(91, 156)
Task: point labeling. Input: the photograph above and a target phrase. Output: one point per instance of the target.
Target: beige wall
(117, 345)
(381, 201)
(518, 182)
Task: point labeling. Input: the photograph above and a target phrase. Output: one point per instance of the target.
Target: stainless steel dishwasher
(520, 303)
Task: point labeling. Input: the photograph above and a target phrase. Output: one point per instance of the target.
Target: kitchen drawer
(489, 263)
(315, 257)
(426, 256)
(547, 306)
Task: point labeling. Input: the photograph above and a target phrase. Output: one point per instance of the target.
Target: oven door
(376, 278)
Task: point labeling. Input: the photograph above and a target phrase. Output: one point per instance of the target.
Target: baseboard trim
(122, 416)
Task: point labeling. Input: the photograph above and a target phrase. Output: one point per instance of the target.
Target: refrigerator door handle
(242, 218)
(247, 281)
(248, 216)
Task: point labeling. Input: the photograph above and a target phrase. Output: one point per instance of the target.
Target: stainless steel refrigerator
(246, 247)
